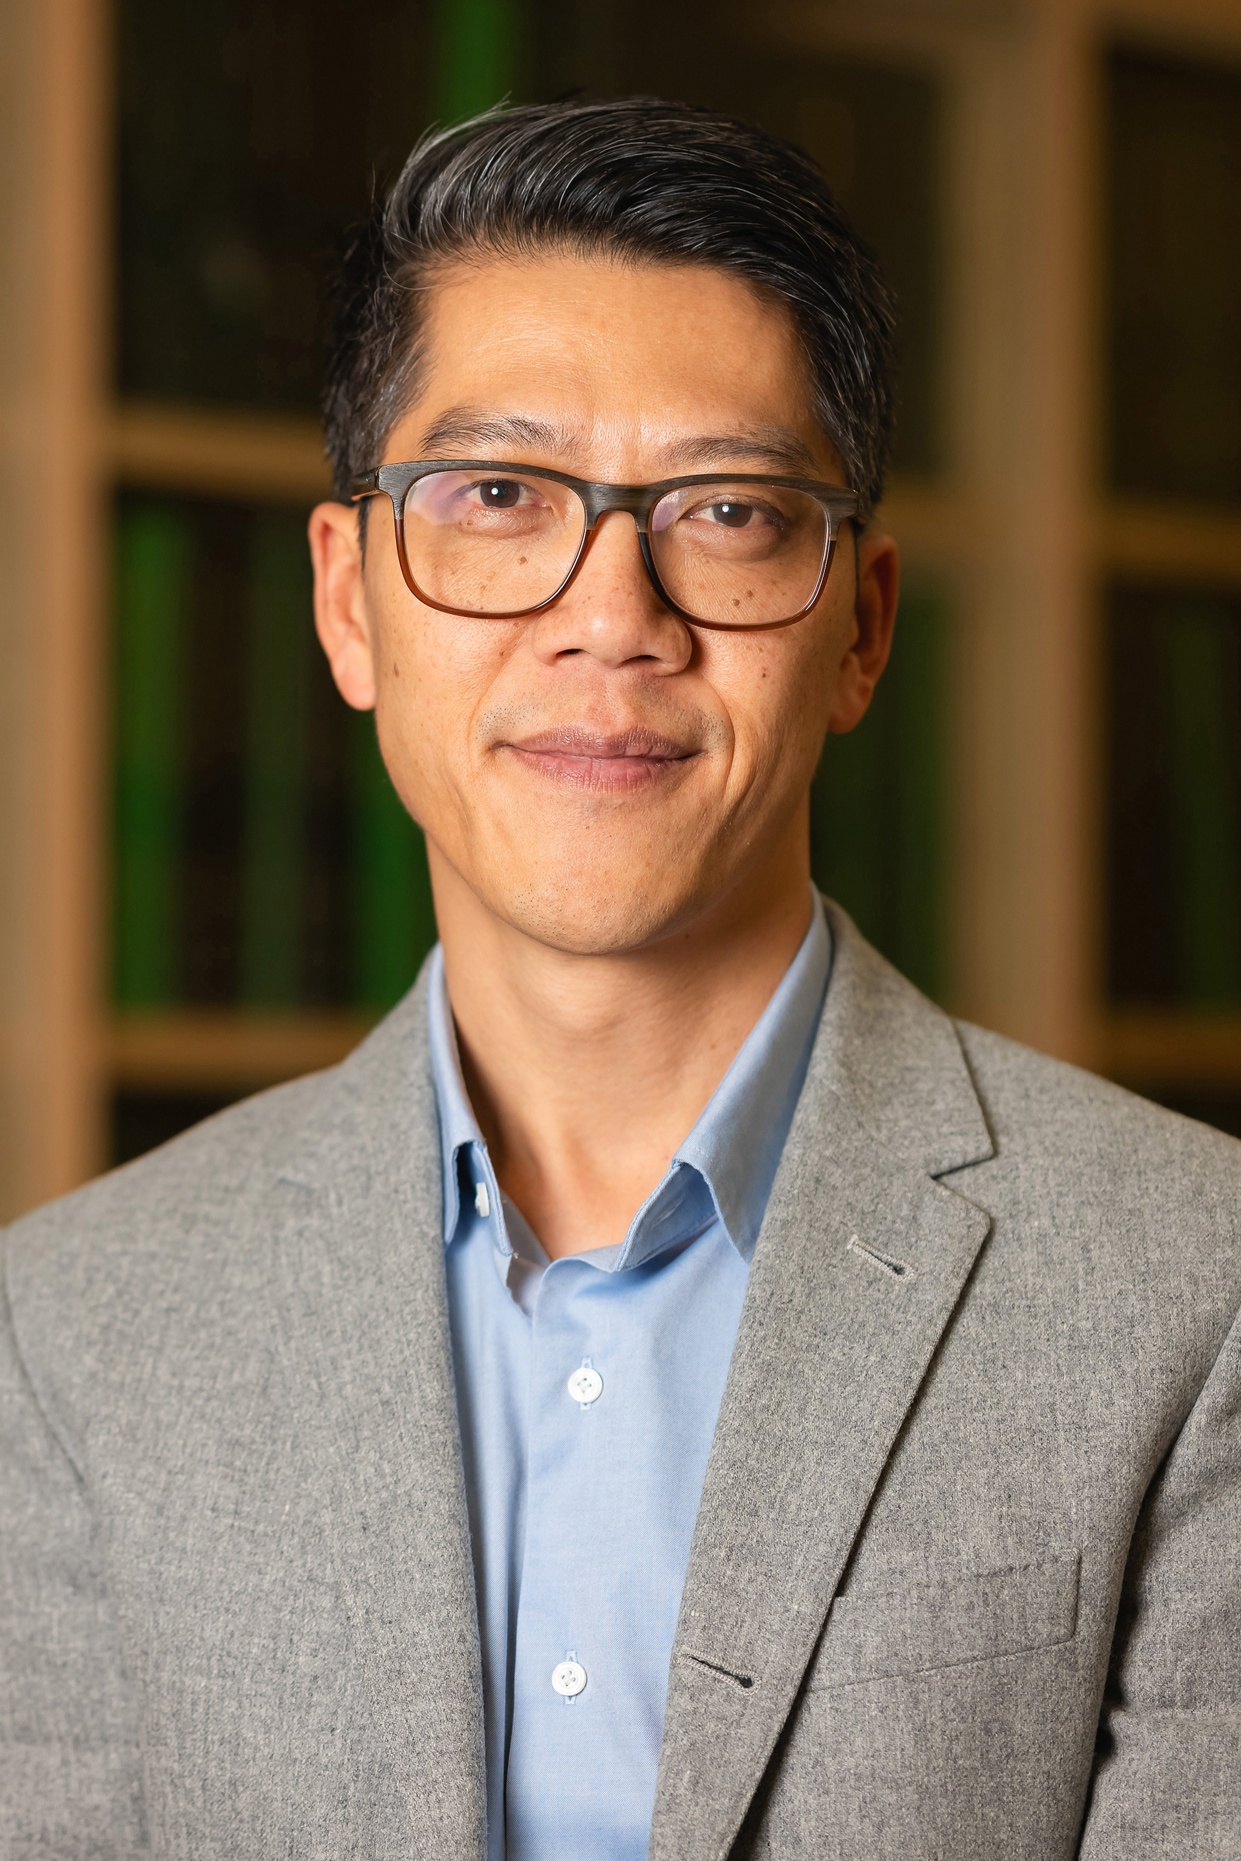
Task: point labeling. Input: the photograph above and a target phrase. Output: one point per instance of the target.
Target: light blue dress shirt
(582, 1499)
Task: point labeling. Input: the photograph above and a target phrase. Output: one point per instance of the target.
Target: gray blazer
(966, 1579)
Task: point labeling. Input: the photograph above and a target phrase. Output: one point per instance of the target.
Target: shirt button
(569, 1678)
(585, 1386)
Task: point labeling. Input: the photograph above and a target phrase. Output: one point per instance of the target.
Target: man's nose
(611, 611)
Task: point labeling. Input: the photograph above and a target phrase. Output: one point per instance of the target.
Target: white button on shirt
(587, 1389)
(585, 1385)
(569, 1679)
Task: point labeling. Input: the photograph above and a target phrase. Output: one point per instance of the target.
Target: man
(671, 1386)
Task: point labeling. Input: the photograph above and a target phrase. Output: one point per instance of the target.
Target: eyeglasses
(490, 540)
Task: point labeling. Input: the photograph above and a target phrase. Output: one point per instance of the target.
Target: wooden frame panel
(54, 339)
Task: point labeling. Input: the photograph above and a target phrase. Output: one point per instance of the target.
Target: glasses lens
(491, 543)
(740, 555)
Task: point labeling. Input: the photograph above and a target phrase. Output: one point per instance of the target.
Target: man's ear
(874, 616)
(341, 619)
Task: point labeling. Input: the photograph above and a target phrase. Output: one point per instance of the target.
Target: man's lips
(601, 760)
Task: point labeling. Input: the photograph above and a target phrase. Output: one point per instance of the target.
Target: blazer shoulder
(216, 1169)
(210, 1166)
(1095, 1147)
(1018, 1082)
(87, 1282)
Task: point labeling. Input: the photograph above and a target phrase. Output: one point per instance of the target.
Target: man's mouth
(597, 760)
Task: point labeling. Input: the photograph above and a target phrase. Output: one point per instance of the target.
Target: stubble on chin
(587, 889)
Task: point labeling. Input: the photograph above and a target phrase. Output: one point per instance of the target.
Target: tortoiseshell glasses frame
(396, 481)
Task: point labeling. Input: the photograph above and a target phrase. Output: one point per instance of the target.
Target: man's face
(601, 774)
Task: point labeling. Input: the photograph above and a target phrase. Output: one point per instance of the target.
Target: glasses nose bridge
(635, 501)
(602, 500)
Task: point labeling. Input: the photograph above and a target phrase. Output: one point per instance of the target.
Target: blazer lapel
(367, 1356)
(859, 1265)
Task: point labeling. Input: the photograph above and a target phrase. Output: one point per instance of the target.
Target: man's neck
(587, 1072)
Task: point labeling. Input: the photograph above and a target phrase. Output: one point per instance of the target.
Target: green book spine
(1204, 764)
(394, 917)
(152, 594)
(476, 46)
(280, 640)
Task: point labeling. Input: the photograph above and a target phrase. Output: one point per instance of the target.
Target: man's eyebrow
(472, 433)
(778, 447)
(479, 435)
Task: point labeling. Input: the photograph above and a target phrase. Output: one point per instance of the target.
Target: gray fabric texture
(966, 1577)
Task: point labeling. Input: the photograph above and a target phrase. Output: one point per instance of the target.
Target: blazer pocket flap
(943, 1623)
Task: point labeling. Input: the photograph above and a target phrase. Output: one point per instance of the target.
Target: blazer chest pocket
(946, 1622)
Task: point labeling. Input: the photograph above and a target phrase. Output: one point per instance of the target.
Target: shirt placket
(561, 1678)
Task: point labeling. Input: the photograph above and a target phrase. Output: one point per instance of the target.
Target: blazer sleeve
(1167, 1777)
(70, 1778)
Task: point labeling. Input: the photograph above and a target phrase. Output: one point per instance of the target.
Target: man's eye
(736, 516)
(731, 513)
(499, 494)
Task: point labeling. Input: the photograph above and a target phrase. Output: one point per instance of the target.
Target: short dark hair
(637, 178)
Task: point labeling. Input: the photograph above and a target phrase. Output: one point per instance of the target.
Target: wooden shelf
(272, 457)
(928, 520)
(203, 1049)
(1166, 542)
(1165, 1050)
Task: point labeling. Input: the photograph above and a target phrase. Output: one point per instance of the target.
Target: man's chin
(589, 917)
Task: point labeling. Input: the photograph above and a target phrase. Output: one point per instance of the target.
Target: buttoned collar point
(465, 1158)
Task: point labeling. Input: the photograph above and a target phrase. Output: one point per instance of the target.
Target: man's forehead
(684, 352)
(621, 372)
(479, 432)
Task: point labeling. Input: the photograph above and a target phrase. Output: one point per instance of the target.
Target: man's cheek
(767, 727)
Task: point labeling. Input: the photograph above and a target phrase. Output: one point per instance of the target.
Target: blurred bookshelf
(268, 899)
(1171, 627)
(212, 886)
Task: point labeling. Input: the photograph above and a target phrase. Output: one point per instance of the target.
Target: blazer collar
(895, 1060)
(862, 1258)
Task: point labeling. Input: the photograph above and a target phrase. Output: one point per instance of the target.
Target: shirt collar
(734, 1148)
